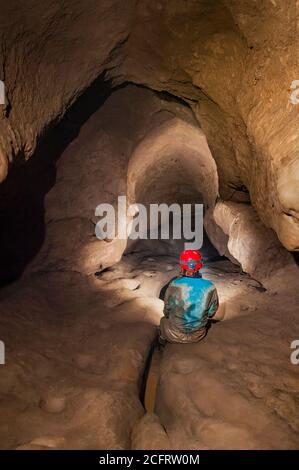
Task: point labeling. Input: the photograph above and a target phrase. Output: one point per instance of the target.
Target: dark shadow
(164, 289)
(22, 193)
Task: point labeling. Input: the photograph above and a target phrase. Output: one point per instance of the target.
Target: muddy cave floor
(76, 348)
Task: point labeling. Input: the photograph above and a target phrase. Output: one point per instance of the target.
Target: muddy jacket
(189, 303)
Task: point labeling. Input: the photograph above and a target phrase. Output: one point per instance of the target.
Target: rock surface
(172, 102)
(233, 62)
(75, 364)
(256, 247)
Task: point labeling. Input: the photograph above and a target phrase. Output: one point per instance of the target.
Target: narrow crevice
(146, 370)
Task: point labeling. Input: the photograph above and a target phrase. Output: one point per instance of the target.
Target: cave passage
(83, 316)
(165, 103)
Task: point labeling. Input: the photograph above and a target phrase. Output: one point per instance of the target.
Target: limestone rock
(256, 247)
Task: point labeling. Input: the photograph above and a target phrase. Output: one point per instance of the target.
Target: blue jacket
(190, 302)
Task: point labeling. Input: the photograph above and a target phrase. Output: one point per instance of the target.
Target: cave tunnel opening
(177, 168)
(174, 198)
(22, 206)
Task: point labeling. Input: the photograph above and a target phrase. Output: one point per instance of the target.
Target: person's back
(189, 303)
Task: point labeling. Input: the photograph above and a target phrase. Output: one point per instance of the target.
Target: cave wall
(49, 55)
(231, 62)
(234, 62)
(149, 148)
(254, 246)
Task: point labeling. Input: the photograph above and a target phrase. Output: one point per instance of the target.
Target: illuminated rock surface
(174, 102)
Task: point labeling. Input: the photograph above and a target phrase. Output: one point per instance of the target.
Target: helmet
(190, 261)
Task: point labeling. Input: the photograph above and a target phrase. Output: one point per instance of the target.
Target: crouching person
(190, 302)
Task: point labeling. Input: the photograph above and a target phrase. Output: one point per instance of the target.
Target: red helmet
(190, 260)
